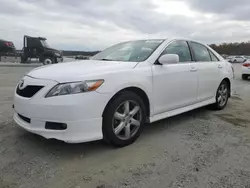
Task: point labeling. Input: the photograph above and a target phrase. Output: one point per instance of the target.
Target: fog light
(55, 126)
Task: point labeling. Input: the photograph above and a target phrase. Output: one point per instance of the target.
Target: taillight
(246, 64)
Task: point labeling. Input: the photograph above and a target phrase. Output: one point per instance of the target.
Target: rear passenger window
(200, 52)
(181, 49)
(213, 57)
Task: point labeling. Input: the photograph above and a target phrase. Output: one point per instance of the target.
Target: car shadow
(63, 148)
(174, 121)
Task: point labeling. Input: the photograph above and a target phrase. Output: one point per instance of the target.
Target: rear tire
(244, 76)
(123, 119)
(222, 95)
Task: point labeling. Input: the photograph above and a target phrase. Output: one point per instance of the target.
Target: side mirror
(169, 59)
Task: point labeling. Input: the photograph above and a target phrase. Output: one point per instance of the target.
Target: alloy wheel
(127, 120)
(222, 95)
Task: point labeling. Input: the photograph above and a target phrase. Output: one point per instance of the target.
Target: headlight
(57, 54)
(74, 88)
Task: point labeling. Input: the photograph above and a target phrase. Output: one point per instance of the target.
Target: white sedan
(246, 70)
(113, 94)
(237, 59)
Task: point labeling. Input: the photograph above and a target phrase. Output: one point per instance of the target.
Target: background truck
(33, 47)
(8, 52)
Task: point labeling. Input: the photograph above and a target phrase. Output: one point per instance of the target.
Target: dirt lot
(201, 148)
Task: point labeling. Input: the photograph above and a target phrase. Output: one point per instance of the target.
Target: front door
(175, 85)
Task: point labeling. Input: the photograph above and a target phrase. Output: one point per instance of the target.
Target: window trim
(210, 52)
(191, 55)
(210, 55)
(191, 51)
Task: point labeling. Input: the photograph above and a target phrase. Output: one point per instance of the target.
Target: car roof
(186, 39)
(167, 39)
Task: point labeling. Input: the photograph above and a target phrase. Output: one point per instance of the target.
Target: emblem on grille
(21, 85)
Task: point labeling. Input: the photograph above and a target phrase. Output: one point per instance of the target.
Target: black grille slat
(24, 118)
(28, 91)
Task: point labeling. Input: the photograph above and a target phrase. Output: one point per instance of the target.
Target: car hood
(77, 71)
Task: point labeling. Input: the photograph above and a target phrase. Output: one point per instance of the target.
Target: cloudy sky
(96, 24)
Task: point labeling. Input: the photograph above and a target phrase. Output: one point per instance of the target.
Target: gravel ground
(201, 148)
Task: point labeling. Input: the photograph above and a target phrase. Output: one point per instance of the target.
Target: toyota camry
(112, 95)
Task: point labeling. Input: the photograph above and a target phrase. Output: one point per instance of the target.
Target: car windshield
(136, 51)
(44, 43)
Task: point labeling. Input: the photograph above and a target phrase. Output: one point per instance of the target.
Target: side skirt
(181, 110)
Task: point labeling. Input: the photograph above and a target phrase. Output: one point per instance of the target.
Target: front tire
(123, 119)
(222, 96)
(48, 61)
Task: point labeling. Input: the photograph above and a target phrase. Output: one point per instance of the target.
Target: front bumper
(81, 112)
(77, 131)
(59, 59)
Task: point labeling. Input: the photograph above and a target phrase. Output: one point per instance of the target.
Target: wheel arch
(140, 92)
(227, 80)
(45, 55)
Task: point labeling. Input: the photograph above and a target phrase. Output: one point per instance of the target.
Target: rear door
(209, 71)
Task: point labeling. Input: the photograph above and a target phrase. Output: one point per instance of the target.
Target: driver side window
(181, 49)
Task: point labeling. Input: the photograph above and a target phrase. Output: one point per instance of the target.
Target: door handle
(193, 69)
(220, 66)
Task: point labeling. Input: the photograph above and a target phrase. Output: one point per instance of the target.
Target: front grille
(28, 91)
(24, 118)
